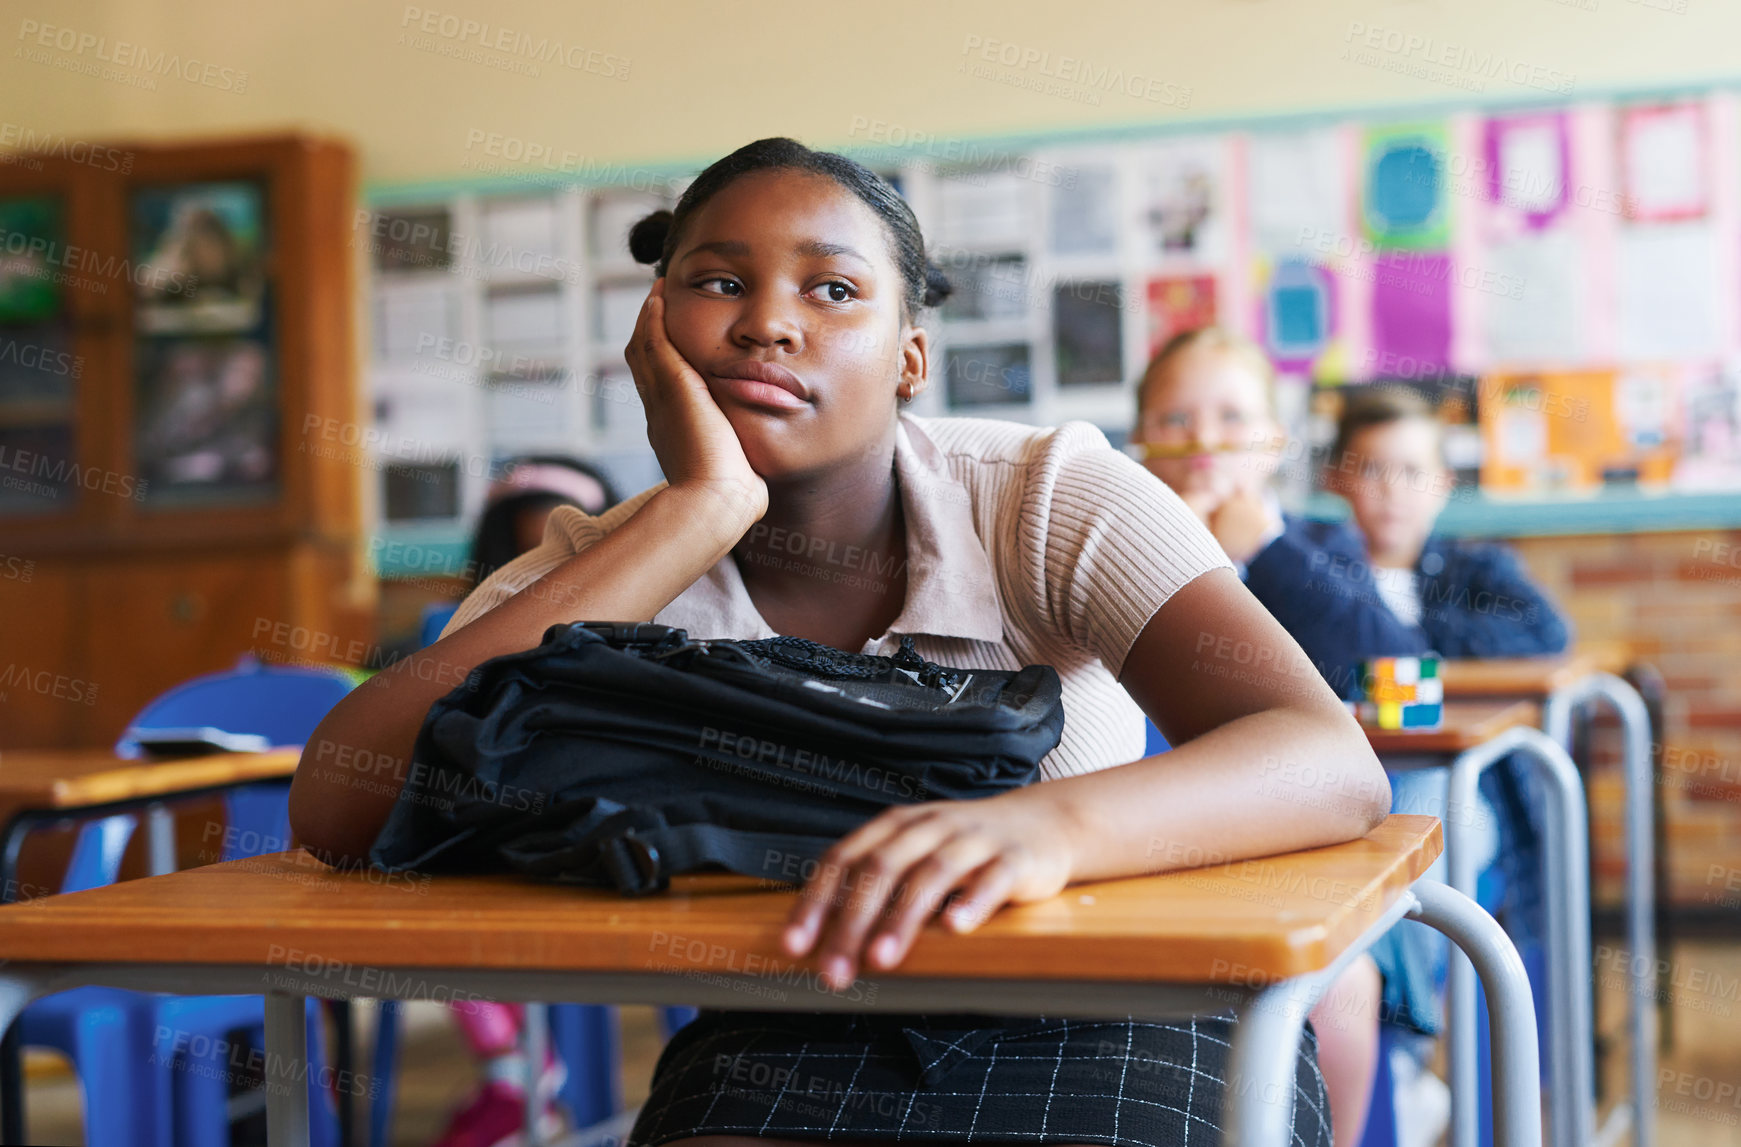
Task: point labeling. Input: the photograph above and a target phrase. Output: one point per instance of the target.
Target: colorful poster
(1404, 204)
(1179, 303)
(1664, 169)
(1411, 311)
(1578, 429)
(1298, 315)
(1528, 159)
(1710, 456)
(1185, 200)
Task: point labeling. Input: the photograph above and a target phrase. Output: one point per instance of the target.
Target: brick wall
(1673, 600)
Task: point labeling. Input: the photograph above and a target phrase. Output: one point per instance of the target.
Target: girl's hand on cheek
(1240, 524)
(1202, 502)
(877, 887)
(690, 435)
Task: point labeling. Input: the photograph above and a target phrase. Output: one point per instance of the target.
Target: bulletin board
(1565, 279)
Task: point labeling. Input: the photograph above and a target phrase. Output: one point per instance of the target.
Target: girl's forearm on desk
(358, 758)
(1227, 795)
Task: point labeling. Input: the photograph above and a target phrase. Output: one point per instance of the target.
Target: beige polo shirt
(1025, 545)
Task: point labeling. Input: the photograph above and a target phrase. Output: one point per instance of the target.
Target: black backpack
(623, 753)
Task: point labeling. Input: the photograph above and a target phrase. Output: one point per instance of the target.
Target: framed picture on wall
(32, 227)
(207, 420)
(198, 257)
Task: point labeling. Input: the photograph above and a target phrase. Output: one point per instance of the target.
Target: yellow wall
(696, 79)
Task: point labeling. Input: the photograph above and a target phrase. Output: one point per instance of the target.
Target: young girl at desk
(1207, 427)
(774, 354)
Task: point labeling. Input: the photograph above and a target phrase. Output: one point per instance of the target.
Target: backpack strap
(642, 860)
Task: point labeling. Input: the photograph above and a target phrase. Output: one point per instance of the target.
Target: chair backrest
(1154, 742)
(435, 619)
(281, 703)
(97, 852)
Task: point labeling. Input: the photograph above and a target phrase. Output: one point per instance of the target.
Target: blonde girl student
(776, 350)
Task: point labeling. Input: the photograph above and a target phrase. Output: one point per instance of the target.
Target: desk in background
(1568, 686)
(40, 787)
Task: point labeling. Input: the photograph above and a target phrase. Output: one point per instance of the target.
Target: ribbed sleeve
(567, 531)
(1107, 542)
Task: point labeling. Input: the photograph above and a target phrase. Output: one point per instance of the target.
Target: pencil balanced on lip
(1142, 451)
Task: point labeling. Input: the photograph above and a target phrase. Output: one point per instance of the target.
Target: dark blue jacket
(1476, 601)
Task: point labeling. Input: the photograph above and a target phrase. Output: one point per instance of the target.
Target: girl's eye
(731, 288)
(1233, 417)
(836, 291)
(1177, 420)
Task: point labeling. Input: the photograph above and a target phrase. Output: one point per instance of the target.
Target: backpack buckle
(634, 865)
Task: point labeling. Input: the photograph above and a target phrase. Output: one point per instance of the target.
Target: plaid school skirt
(953, 1078)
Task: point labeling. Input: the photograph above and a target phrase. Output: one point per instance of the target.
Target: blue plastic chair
(127, 1090)
(435, 619)
(111, 1035)
(282, 704)
(102, 1029)
(1153, 742)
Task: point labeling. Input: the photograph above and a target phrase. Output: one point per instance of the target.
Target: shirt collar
(951, 591)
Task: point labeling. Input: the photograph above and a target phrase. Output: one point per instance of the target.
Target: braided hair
(654, 239)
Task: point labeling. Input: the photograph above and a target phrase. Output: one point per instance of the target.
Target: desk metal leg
(1517, 1113)
(1571, 1066)
(286, 1070)
(1647, 682)
(535, 1037)
(160, 839)
(1640, 886)
(1258, 1110)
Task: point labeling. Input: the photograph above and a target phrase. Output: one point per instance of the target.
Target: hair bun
(647, 238)
(937, 284)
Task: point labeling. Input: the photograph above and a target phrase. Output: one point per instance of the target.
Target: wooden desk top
(1276, 917)
(71, 779)
(1531, 677)
(1467, 724)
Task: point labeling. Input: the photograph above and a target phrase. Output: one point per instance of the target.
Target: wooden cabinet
(177, 346)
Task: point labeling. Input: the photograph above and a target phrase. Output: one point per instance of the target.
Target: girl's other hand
(878, 886)
(690, 435)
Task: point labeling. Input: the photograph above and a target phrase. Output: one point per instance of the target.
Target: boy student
(775, 353)
(1458, 599)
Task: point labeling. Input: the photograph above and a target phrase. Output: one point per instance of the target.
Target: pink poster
(1411, 312)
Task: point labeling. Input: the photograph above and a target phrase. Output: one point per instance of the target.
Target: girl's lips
(754, 393)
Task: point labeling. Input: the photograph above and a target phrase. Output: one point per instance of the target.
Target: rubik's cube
(1402, 692)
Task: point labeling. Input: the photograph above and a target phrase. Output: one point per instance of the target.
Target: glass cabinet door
(39, 371)
(206, 414)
